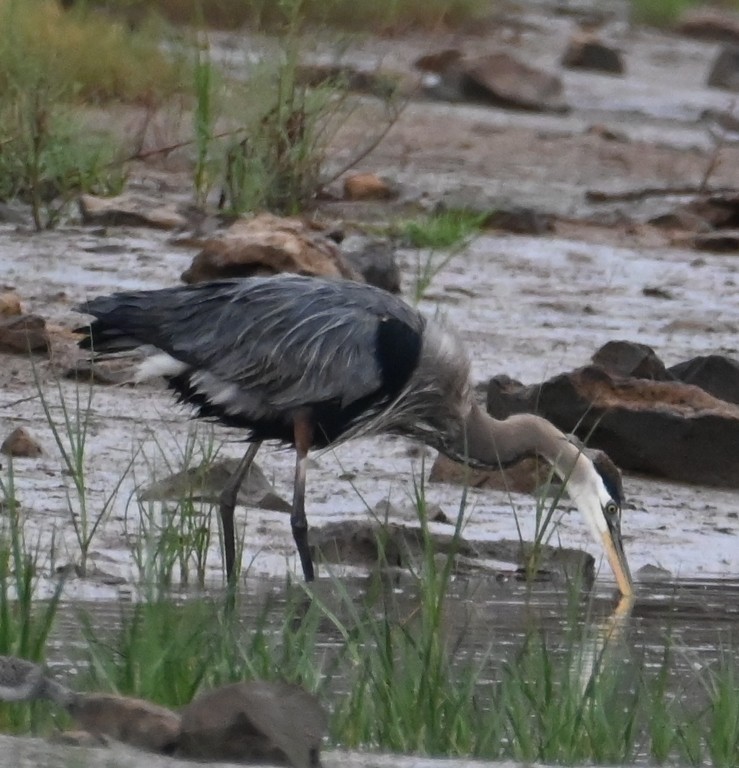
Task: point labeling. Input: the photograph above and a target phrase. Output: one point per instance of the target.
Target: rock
(520, 220)
(525, 477)
(19, 443)
(367, 186)
(530, 475)
(716, 374)
(438, 61)
(709, 24)
(378, 83)
(720, 210)
(132, 721)
(267, 245)
(502, 80)
(23, 334)
(254, 722)
(630, 359)
(586, 51)
(498, 79)
(399, 546)
(665, 429)
(114, 371)
(374, 260)
(720, 241)
(10, 304)
(725, 69)
(205, 483)
(131, 210)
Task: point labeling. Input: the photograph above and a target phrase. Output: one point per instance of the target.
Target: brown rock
(131, 210)
(20, 443)
(725, 69)
(439, 61)
(23, 334)
(131, 721)
(525, 477)
(10, 304)
(367, 186)
(662, 428)
(501, 79)
(256, 721)
(630, 359)
(709, 24)
(586, 51)
(267, 245)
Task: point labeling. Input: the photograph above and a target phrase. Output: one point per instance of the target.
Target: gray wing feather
(288, 340)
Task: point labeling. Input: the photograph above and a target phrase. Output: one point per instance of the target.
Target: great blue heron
(312, 362)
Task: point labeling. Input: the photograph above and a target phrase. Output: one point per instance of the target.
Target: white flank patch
(160, 364)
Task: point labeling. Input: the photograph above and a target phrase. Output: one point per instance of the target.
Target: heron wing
(282, 342)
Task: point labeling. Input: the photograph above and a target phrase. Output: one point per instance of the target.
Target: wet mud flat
(529, 307)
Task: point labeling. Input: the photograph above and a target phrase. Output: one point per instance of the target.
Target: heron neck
(495, 443)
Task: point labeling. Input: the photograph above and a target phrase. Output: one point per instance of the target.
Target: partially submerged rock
(662, 428)
(399, 546)
(266, 245)
(257, 721)
(709, 24)
(205, 483)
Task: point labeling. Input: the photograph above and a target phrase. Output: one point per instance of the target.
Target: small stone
(630, 359)
(23, 334)
(19, 443)
(367, 186)
(374, 260)
(586, 51)
(10, 304)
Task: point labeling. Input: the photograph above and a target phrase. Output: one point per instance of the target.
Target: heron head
(598, 493)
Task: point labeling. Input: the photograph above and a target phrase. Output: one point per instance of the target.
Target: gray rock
(725, 69)
(256, 721)
(716, 374)
(206, 481)
(375, 260)
(399, 546)
(630, 359)
(585, 51)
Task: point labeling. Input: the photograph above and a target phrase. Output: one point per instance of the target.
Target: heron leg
(228, 503)
(303, 432)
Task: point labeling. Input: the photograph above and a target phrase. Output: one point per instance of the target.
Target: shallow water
(698, 619)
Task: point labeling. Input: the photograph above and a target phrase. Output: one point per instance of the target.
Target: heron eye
(611, 508)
